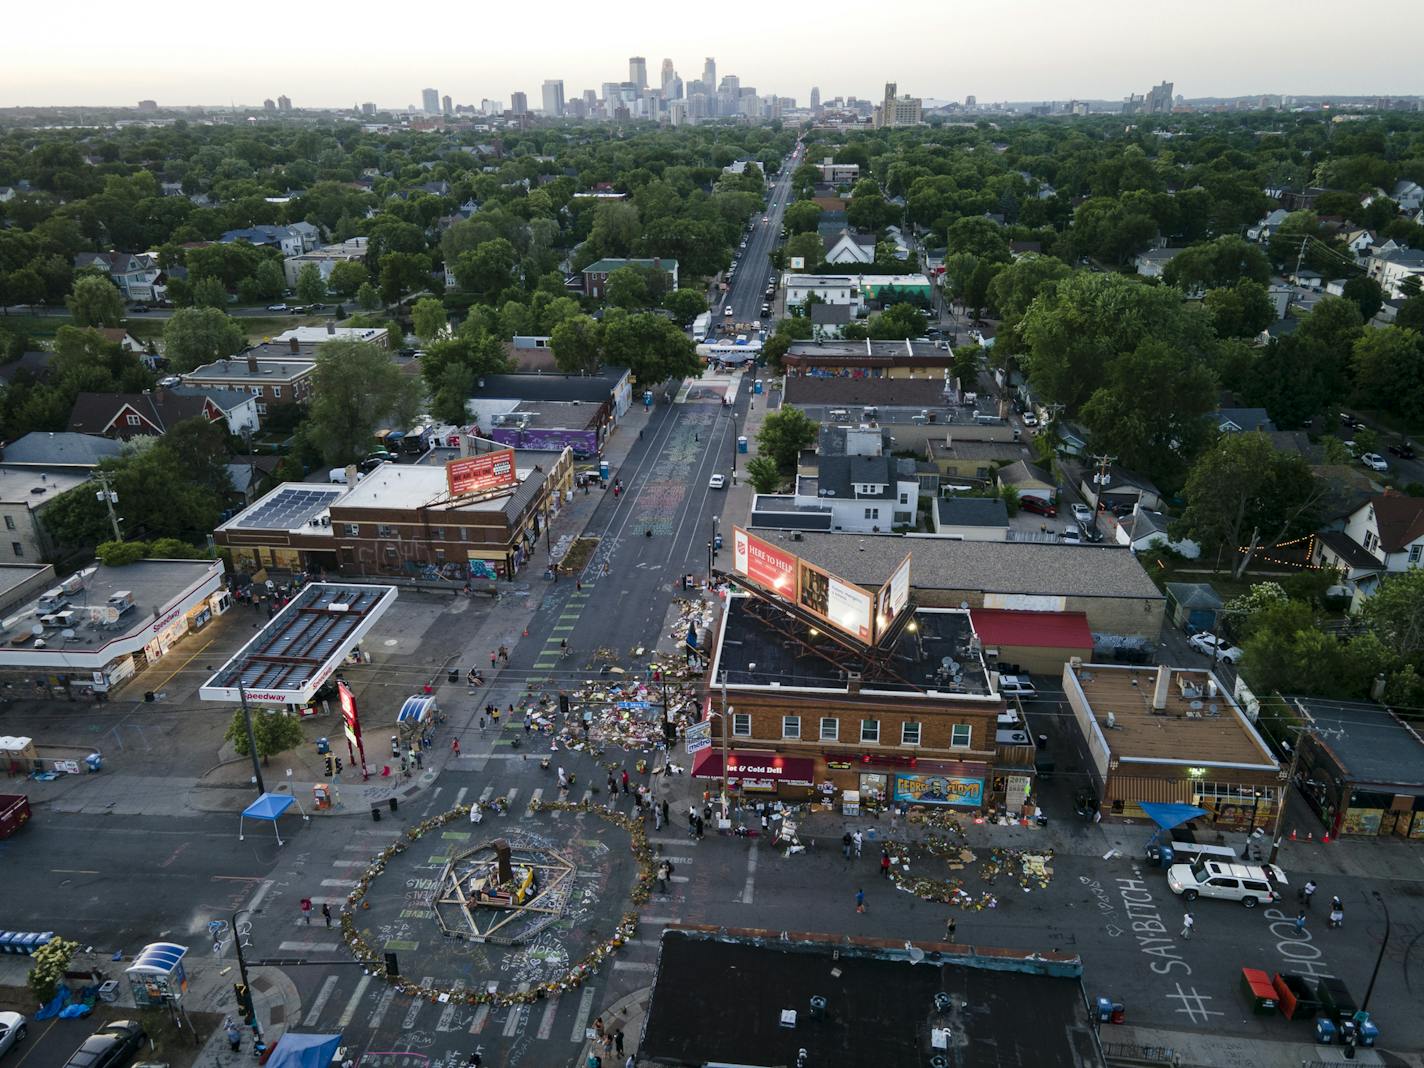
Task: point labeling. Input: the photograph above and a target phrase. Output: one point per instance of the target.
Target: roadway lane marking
(546, 1025)
(683, 841)
(349, 863)
(350, 1010)
(751, 874)
(677, 878)
(447, 1014)
(481, 1015)
(515, 1023)
(310, 947)
(460, 797)
(321, 999)
(581, 1019)
(72, 871)
(387, 996)
(414, 1009)
(489, 790)
(261, 894)
(653, 920)
(632, 966)
(348, 883)
(534, 800)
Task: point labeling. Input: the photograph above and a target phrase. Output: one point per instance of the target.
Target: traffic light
(244, 1001)
(330, 766)
(338, 765)
(392, 968)
(564, 704)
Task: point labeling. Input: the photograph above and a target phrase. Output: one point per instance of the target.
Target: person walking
(612, 785)
(625, 780)
(1307, 892)
(1188, 922)
(885, 862)
(618, 1034)
(859, 900)
(494, 716)
(306, 906)
(1300, 921)
(663, 874)
(1337, 912)
(949, 926)
(234, 1035)
(326, 913)
(846, 843)
(699, 828)
(494, 659)
(455, 746)
(859, 841)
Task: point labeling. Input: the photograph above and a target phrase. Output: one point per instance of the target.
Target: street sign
(699, 730)
(696, 745)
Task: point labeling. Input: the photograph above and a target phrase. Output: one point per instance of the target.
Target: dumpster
(1259, 991)
(109, 991)
(1296, 996)
(1335, 1000)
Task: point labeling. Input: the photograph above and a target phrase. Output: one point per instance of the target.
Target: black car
(112, 1046)
(1403, 450)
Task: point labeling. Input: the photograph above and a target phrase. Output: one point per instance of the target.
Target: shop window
(870, 731)
(440, 555)
(910, 733)
(791, 726)
(353, 530)
(960, 736)
(830, 728)
(742, 724)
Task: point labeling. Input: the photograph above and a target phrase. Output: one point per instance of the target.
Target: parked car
(1350, 422)
(1374, 461)
(139, 308)
(277, 307)
(1082, 513)
(1070, 536)
(1029, 419)
(13, 1028)
(1016, 686)
(1090, 532)
(1208, 643)
(112, 1046)
(717, 481)
(1038, 506)
(1246, 883)
(1404, 450)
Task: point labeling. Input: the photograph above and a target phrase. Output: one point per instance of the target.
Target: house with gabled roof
(130, 415)
(1382, 536)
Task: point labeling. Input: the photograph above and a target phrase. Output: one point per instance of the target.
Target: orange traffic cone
(1325, 837)
(1292, 834)
(526, 632)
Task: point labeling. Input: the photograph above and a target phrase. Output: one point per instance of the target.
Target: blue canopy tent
(295, 1050)
(1166, 814)
(269, 807)
(416, 710)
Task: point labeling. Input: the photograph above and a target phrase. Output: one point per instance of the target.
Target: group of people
(1306, 892)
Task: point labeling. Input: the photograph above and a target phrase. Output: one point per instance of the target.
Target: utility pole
(1300, 257)
(251, 741)
(734, 448)
(726, 755)
(109, 497)
(1285, 794)
(1104, 462)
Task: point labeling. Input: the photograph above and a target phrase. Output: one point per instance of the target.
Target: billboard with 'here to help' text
(763, 563)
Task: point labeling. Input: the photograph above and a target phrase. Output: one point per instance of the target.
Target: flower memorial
(576, 974)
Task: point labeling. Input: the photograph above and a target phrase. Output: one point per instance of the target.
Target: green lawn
(35, 326)
(265, 327)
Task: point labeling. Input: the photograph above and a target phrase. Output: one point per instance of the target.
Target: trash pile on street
(1029, 868)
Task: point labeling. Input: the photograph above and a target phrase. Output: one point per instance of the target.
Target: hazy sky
(98, 52)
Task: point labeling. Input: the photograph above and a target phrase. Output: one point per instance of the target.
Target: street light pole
(1379, 959)
(251, 740)
(242, 971)
(734, 448)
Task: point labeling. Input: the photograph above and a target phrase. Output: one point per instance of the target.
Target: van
(985, 419)
(1247, 883)
(838, 414)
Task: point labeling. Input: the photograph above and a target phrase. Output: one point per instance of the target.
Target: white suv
(1245, 883)
(1016, 686)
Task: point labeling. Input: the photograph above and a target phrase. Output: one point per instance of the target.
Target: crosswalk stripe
(534, 797)
(447, 1014)
(349, 863)
(581, 1019)
(314, 1014)
(509, 797)
(382, 1005)
(309, 947)
(632, 966)
(654, 920)
(415, 1005)
(481, 1015)
(546, 1025)
(460, 797)
(350, 1010)
(348, 883)
(487, 793)
(677, 878)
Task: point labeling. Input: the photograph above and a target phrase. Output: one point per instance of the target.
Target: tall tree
(577, 345)
(95, 302)
(1242, 494)
(1217, 264)
(311, 286)
(784, 433)
(428, 318)
(348, 277)
(354, 388)
(653, 348)
(194, 336)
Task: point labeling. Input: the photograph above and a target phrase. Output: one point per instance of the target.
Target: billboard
(893, 596)
(763, 563)
(842, 604)
(481, 474)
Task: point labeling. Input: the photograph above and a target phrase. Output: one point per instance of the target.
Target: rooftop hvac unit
(338, 606)
(73, 584)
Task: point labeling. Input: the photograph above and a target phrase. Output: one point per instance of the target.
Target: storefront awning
(794, 771)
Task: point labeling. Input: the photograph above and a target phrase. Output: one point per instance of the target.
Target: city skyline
(1022, 50)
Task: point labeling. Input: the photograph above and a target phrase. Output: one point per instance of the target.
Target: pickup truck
(14, 813)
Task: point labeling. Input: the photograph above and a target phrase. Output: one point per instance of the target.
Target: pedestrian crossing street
(351, 1002)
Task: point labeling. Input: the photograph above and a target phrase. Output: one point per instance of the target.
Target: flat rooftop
(556, 415)
(404, 487)
(718, 998)
(926, 392)
(1194, 725)
(886, 349)
(273, 367)
(35, 486)
(941, 654)
(291, 507)
(988, 566)
(317, 335)
(302, 645)
(1369, 742)
(153, 585)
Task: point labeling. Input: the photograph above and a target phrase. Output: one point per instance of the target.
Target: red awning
(998, 627)
(798, 770)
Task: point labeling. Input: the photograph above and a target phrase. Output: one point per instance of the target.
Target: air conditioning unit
(338, 606)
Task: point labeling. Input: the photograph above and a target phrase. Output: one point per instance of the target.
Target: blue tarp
(303, 1051)
(268, 807)
(1170, 814)
(415, 710)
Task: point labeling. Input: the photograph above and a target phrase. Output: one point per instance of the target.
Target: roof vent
(818, 1007)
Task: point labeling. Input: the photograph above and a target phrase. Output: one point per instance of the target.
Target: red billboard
(481, 474)
(764, 563)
